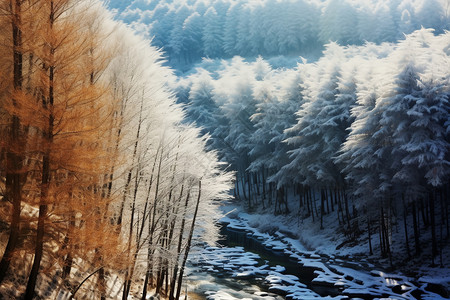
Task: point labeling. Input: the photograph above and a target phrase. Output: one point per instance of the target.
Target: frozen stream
(221, 285)
(252, 265)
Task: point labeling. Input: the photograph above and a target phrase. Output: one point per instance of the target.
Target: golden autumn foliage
(100, 183)
(64, 115)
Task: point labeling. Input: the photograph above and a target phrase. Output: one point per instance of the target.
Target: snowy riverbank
(344, 269)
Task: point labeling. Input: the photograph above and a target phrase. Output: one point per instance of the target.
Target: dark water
(198, 281)
(202, 278)
(274, 258)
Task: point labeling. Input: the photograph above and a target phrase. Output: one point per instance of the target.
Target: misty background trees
(190, 30)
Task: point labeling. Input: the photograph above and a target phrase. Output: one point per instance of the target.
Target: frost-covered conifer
(420, 111)
(212, 34)
(321, 121)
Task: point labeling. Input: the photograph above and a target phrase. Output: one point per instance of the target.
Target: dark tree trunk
(331, 199)
(249, 187)
(188, 245)
(424, 210)
(69, 259)
(337, 196)
(381, 237)
(306, 196)
(405, 224)
(416, 229)
(263, 188)
(243, 190)
(286, 203)
(347, 212)
(236, 188)
(270, 194)
(322, 207)
(300, 196)
(48, 136)
(180, 240)
(255, 178)
(434, 250)
(370, 236)
(446, 210)
(13, 160)
(39, 247)
(340, 206)
(441, 242)
(385, 228)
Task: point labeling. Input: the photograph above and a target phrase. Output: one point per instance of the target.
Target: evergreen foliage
(271, 27)
(364, 128)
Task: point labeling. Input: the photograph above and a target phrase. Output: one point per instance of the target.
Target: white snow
(353, 277)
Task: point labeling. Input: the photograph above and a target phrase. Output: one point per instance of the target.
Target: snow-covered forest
(364, 126)
(125, 125)
(326, 110)
(190, 30)
(102, 188)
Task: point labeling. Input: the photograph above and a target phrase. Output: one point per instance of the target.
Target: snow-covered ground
(343, 269)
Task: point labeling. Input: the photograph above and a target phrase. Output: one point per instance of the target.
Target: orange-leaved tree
(55, 126)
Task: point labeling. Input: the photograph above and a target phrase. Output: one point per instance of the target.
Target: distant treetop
(192, 29)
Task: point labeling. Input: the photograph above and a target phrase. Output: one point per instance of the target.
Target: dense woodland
(190, 30)
(358, 128)
(103, 190)
(106, 181)
(362, 134)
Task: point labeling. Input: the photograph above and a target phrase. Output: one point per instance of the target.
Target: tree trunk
(347, 212)
(424, 211)
(313, 201)
(416, 229)
(307, 201)
(370, 236)
(385, 228)
(152, 222)
(441, 242)
(236, 188)
(446, 210)
(339, 207)
(188, 245)
(69, 259)
(263, 188)
(286, 203)
(331, 198)
(39, 246)
(250, 194)
(243, 190)
(48, 136)
(405, 224)
(13, 164)
(322, 207)
(434, 250)
(270, 193)
(381, 237)
(255, 178)
(180, 240)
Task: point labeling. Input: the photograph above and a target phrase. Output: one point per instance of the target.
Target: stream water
(246, 267)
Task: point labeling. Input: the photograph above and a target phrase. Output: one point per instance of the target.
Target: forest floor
(333, 242)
